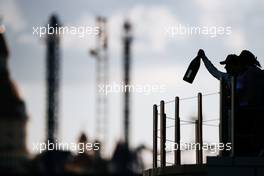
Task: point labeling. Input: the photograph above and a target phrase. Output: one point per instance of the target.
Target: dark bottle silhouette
(192, 70)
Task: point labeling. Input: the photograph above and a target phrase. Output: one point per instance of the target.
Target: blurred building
(13, 119)
(126, 161)
(51, 162)
(87, 161)
(14, 157)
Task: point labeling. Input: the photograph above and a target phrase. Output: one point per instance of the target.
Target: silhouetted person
(231, 65)
(249, 100)
(250, 106)
(251, 80)
(233, 69)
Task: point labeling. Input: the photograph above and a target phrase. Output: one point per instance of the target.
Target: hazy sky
(157, 58)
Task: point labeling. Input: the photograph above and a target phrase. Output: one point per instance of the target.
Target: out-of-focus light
(2, 28)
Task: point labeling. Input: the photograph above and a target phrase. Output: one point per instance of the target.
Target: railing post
(224, 125)
(197, 141)
(200, 130)
(162, 135)
(177, 133)
(221, 140)
(155, 135)
(233, 114)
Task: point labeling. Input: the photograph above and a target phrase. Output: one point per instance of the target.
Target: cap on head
(231, 58)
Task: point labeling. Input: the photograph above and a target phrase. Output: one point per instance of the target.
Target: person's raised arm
(210, 67)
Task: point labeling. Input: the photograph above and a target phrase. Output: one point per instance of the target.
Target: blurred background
(156, 58)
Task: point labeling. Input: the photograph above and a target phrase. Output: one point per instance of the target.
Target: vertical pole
(177, 134)
(200, 128)
(99, 70)
(127, 61)
(224, 123)
(155, 135)
(53, 80)
(197, 141)
(233, 110)
(162, 135)
(105, 73)
(221, 140)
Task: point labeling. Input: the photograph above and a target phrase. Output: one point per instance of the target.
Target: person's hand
(201, 53)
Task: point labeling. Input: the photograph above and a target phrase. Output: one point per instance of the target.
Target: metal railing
(161, 117)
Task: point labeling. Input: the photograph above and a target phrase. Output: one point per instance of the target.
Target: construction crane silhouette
(100, 53)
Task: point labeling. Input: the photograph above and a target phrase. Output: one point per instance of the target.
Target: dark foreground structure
(215, 166)
(238, 160)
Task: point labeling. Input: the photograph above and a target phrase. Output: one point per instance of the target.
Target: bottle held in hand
(192, 70)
